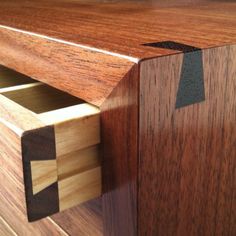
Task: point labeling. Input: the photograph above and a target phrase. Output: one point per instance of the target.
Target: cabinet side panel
(187, 155)
(119, 119)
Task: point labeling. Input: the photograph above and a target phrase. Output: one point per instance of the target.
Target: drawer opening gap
(11, 78)
(32, 94)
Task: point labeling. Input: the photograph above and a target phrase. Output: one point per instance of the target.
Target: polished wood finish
(187, 160)
(60, 156)
(127, 25)
(112, 50)
(66, 64)
(120, 163)
(85, 219)
(5, 228)
(99, 53)
(12, 196)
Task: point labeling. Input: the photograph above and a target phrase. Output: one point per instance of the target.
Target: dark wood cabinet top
(82, 47)
(124, 27)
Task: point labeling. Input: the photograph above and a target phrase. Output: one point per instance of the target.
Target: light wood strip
(44, 173)
(40, 99)
(16, 117)
(68, 113)
(77, 134)
(77, 162)
(5, 228)
(19, 87)
(79, 188)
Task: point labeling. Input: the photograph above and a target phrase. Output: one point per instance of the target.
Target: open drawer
(55, 136)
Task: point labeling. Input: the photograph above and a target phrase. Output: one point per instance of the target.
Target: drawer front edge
(39, 145)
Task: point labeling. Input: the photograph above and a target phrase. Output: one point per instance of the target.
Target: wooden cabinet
(56, 136)
(124, 113)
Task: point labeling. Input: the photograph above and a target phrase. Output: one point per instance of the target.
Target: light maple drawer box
(48, 147)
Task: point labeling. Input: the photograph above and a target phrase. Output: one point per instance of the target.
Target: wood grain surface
(12, 196)
(30, 139)
(187, 155)
(106, 37)
(5, 228)
(44, 173)
(47, 191)
(166, 171)
(119, 127)
(41, 98)
(123, 27)
(84, 220)
(64, 66)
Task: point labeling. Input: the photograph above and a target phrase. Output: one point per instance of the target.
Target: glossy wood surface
(61, 163)
(73, 166)
(84, 220)
(95, 52)
(106, 37)
(66, 67)
(120, 163)
(123, 27)
(187, 155)
(12, 196)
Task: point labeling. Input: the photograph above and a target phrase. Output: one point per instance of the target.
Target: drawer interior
(41, 98)
(10, 78)
(33, 107)
(33, 95)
